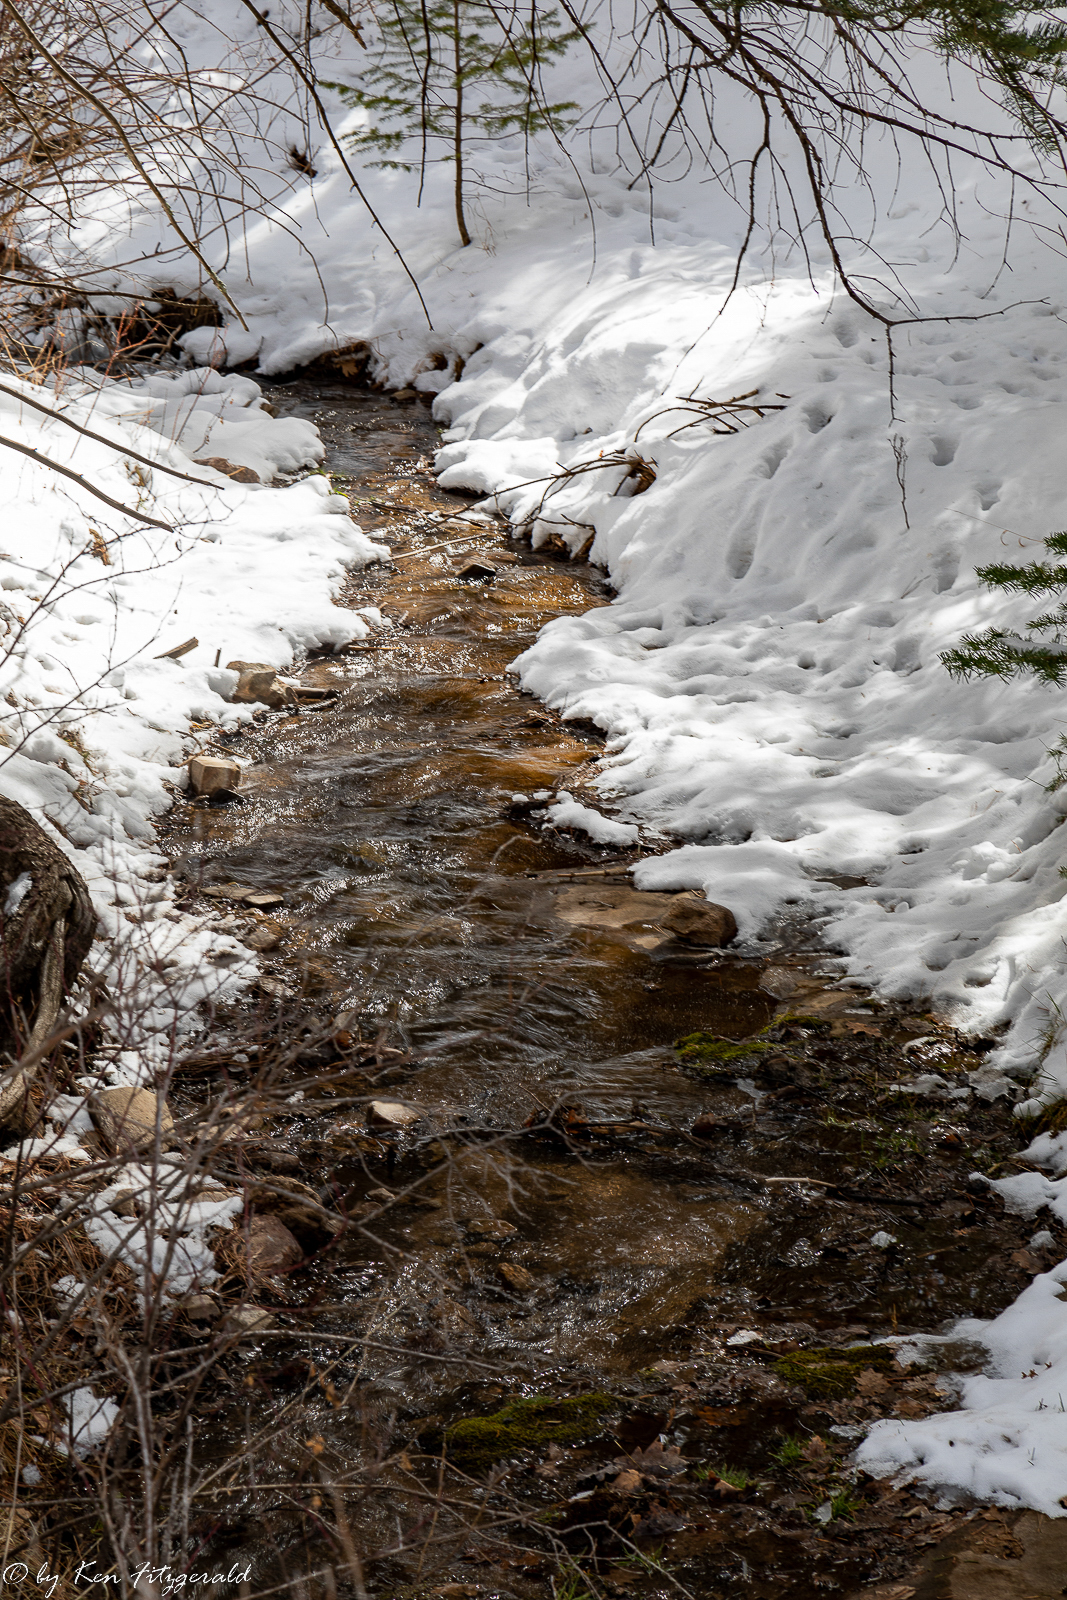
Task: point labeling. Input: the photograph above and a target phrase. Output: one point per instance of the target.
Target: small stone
(261, 688)
(516, 1277)
(269, 1246)
(229, 469)
(199, 1308)
(211, 774)
(700, 922)
(491, 1228)
(476, 572)
(125, 1203)
(267, 937)
(273, 988)
(249, 1320)
(705, 1126)
(130, 1117)
(263, 899)
(391, 1114)
(405, 396)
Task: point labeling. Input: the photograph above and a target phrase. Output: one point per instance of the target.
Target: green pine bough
(445, 72)
(1002, 653)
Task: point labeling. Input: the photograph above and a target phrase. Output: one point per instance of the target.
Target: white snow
(94, 729)
(17, 892)
(90, 1420)
(567, 812)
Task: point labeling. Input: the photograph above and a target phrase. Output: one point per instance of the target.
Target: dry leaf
(870, 1381)
(816, 1451)
(316, 1445)
(627, 1483)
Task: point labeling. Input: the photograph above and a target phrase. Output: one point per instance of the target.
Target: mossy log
(47, 924)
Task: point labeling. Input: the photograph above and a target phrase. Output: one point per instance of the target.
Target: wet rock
(266, 937)
(213, 774)
(269, 1247)
(516, 1277)
(705, 1126)
(129, 1118)
(247, 1320)
(263, 899)
(274, 988)
(491, 1228)
(700, 922)
(229, 469)
(391, 1114)
(633, 913)
(405, 397)
(476, 572)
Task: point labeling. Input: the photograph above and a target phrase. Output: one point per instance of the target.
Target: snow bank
(94, 726)
(1009, 1442)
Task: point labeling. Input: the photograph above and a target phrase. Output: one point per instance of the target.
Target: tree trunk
(457, 138)
(47, 924)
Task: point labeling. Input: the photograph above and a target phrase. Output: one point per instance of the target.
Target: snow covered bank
(94, 719)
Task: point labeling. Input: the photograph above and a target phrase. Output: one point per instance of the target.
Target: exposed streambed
(583, 1211)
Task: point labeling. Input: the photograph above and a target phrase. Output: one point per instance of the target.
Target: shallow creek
(609, 1247)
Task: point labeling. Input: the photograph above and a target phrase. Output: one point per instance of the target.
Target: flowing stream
(503, 963)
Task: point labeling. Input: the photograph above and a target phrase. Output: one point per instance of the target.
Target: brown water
(418, 896)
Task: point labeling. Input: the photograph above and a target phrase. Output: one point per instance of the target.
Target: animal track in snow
(773, 458)
(739, 557)
(988, 494)
(944, 451)
(817, 417)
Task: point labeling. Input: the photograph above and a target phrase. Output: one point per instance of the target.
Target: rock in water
(47, 924)
(270, 1247)
(391, 1114)
(475, 572)
(491, 1228)
(700, 922)
(213, 774)
(128, 1118)
(516, 1277)
(249, 1320)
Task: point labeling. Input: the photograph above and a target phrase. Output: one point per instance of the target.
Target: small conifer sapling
(446, 71)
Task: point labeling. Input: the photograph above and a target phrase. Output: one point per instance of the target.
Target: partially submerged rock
(132, 1118)
(391, 1114)
(700, 922)
(491, 1228)
(268, 1246)
(213, 775)
(247, 1320)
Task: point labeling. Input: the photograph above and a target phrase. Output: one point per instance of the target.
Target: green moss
(710, 1047)
(831, 1373)
(715, 1052)
(526, 1424)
